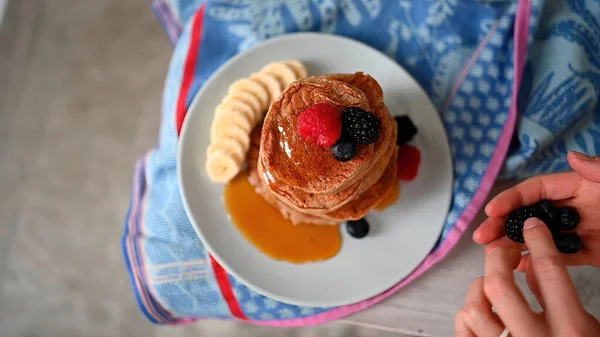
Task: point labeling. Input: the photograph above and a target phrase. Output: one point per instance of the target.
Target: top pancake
(289, 159)
(294, 166)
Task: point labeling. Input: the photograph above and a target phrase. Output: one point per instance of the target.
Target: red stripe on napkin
(180, 113)
(227, 290)
(190, 69)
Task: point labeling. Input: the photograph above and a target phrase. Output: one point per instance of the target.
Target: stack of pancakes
(302, 179)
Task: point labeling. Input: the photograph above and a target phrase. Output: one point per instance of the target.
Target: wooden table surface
(427, 306)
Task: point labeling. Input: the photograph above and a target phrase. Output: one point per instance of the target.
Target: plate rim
(184, 130)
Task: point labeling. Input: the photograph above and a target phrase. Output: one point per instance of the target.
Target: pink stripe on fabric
(143, 270)
(520, 36)
(459, 80)
(133, 257)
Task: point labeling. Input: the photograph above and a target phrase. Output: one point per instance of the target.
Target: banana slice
(234, 101)
(221, 166)
(284, 74)
(252, 87)
(230, 118)
(229, 145)
(242, 111)
(298, 68)
(270, 83)
(230, 131)
(247, 98)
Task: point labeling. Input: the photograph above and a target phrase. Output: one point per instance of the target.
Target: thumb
(587, 167)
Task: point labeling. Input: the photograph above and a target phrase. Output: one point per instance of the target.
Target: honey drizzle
(264, 226)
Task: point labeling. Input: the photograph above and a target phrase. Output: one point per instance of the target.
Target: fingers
(588, 167)
(505, 242)
(489, 230)
(460, 326)
(551, 187)
(500, 288)
(532, 279)
(555, 285)
(522, 267)
(478, 314)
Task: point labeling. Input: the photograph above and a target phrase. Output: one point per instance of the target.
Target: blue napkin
(461, 52)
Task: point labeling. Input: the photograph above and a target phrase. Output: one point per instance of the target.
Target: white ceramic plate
(400, 237)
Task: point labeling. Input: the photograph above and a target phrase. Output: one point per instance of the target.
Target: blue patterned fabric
(460, 51)
(560, 90)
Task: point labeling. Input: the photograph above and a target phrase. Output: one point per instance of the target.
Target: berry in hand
(547, 207)
(358, 228)
(516, 220)
(548, 214)
(343, 150)
(568, 218)
(406, 130)
(557, 220)
(568, 243)
(320, 124)
(360, 126)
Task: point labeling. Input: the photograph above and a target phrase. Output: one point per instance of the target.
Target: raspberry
(361, 126)
(409, 160)
(321, 124)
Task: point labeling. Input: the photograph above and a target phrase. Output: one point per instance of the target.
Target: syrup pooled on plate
(264, 226)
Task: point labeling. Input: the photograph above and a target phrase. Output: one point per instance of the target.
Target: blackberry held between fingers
(568, 218)
(548, 209)
(360, 126)
(516, 220)
(543, 211)
(568, 243)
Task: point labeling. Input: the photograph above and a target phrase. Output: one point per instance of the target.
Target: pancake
(303, 180)
(329, 196)
(370, 198)
(260, 187)
(308, 167)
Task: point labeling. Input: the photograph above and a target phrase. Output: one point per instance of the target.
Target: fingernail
(581, 156)
(475, 234)
(531, 223)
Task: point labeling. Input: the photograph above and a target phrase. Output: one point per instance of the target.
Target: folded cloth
(469, 57)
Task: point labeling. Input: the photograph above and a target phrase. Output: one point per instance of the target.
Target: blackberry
(568, 243)
(549, 215)
(516, 219)
(542, 210)
(360, 126)
(343, 150)
(568, 218)
(406, 130)
(548, 209)
(358, 228)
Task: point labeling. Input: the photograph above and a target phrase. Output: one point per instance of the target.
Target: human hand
(547, 278)
(579, 189)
